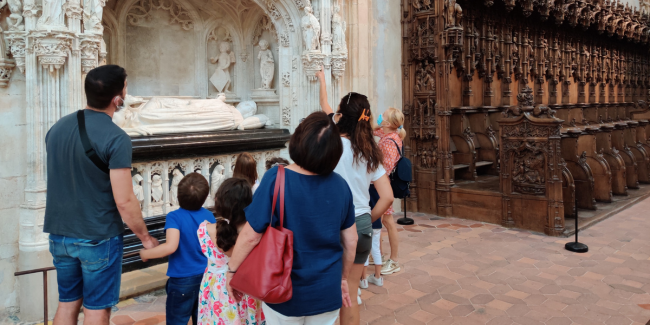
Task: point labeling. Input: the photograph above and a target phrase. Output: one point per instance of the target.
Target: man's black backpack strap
(88, 148)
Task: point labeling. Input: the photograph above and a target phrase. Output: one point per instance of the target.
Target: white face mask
(121, 106)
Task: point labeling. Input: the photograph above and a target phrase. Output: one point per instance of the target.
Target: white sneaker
(358, 291)
(378, 282)
(363, 284)
(390, 267)
(359, 300)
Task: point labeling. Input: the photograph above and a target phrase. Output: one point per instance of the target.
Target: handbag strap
(279, 188)
(85, 142)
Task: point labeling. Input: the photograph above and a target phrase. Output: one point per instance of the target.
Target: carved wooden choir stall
(519, 110)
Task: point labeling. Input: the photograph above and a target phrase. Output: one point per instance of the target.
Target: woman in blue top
(319, 209)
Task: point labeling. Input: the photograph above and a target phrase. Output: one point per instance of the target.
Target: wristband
(231, 271)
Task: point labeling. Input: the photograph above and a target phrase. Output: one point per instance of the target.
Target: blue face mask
(380, 119)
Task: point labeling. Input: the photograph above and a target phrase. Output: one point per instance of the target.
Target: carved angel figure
(93, 10)
(53, 15)
(453, 14)
(267, 64)
(156, 188)
(15, 19)
(338, 32)
(137, 188)
(173, 190)
(217, 178)
(221, 77)
(310, 31)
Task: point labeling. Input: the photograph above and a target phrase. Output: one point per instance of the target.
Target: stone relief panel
(155, 184)
(163, 62)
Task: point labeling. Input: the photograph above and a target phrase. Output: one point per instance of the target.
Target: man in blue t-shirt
(186, 260)
(87, 201)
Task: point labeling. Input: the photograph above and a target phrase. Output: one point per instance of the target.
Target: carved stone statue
(310, 31)
(172, 115)
(93, 10)
(53, 15)
(267, 64)
(221, 77)
(338, 32)
(137, 188)
(15, 19)
(453, 14)
(217, 178)
(156, 188)
(173, 189)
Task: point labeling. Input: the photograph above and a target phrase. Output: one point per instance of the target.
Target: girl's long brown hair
(246, 168)
(356, 122)
(231, 198)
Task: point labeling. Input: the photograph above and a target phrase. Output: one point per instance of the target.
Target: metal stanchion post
(576, 246)
(406, 220)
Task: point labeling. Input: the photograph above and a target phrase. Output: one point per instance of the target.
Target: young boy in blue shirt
(186, 261)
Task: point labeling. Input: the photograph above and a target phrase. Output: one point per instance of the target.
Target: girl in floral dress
(216, 307)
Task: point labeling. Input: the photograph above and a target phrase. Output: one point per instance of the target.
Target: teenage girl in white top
(360, 165)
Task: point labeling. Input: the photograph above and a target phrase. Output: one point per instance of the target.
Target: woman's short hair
(193, 189)
(246, 168)
(316, 144)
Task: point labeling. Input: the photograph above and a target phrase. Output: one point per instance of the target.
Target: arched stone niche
(166, 47)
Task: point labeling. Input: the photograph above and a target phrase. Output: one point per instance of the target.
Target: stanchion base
(405, 221)
(576, 247)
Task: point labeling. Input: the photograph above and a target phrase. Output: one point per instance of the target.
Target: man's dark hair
(103, 84)
(192, 191)
(316, 144)
(276, 161)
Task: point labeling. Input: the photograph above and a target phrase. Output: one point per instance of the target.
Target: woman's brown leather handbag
(266, 273)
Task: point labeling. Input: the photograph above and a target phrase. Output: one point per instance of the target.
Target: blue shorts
(88, 269)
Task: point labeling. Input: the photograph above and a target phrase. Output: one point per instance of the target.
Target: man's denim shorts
(88, 269)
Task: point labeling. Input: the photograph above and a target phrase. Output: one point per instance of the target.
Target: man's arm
(129, 206)
(169, 247)
(324, 105)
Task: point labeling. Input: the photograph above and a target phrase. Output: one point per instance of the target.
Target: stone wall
(13, 159)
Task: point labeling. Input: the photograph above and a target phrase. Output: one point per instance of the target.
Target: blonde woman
(391, 132)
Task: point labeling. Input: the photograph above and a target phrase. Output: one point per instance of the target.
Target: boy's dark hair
(192, 191)
(231, 198)
(246, 168)
(316, 144)
(103, 84)
(275, 161)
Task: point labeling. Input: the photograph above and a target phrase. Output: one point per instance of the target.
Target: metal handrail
(44, 270)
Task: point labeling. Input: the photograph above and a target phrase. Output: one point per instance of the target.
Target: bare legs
(393, 239)
(350, 315)
(68, 314)
(97, 317)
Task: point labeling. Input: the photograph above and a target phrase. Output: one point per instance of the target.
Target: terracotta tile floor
(464, 272)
